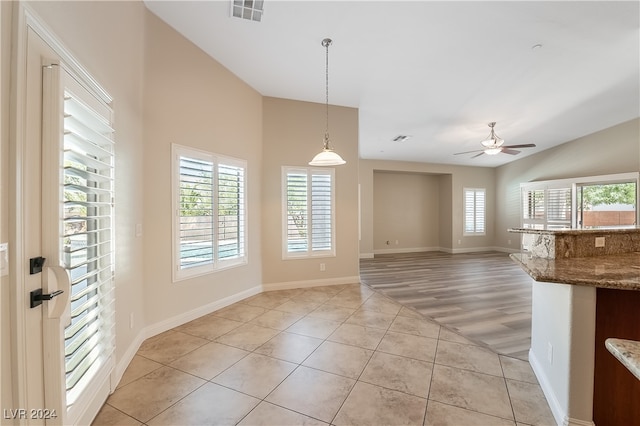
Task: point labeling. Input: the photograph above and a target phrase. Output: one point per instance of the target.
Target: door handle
(36, 296)
(57, 281)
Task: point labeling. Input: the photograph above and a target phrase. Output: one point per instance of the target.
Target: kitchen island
(584, 291)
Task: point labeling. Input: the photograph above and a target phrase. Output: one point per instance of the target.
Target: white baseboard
(479, 250)
(169, 323)
(442, 249)
(506, 249)
(126, 359)
(405, 250)
(578, 422)
(310, 283)
(559, 414)
(185, 317)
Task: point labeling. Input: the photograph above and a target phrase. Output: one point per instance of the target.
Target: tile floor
(341, 355)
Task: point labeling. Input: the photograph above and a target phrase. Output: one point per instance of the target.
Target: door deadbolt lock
(36, 264)
(37, 297)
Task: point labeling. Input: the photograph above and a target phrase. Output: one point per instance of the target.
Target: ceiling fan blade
(469, 152)
(510, 151)
(526, 145)
(478, 155)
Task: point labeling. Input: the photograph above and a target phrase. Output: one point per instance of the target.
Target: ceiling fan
(493, 145)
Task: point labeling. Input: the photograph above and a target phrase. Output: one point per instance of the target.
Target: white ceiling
(437, 71)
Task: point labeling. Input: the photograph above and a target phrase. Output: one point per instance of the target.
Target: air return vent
(247, 9)
(401, 138)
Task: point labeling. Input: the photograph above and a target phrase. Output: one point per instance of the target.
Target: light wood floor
(485, 297)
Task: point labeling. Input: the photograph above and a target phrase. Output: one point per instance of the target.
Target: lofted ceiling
(438, 71)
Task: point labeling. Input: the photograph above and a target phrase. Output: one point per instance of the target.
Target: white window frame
(310, 252)
(216, 264)
(572, 184)
(474, 231)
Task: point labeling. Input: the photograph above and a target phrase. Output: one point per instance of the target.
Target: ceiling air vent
(247, 9)
(400, 138)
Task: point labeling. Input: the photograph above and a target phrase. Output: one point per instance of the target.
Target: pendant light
(327, 157)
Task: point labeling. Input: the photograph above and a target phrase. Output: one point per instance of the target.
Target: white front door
(64, 159)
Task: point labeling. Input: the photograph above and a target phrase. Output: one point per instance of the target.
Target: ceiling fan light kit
(494, 144)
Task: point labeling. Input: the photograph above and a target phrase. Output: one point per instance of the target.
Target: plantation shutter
(309, 218)
(195, 215)
(321, 206)
(558, 203)
(546, 208)
(230, 212)
(533, 212)
(474, 211)
(297, 212)
(87, 238)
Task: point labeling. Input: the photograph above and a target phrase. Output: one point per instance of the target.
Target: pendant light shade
(327, 157)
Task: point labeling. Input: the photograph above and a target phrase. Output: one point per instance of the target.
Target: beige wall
(293, 132)
(5, 330)
(610, 151)
(406, 208)
(192, 100)
(445, 216)
(452, 181)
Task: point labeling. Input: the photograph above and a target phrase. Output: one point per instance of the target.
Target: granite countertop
(575, 231)
(627, 352)
(617, 271)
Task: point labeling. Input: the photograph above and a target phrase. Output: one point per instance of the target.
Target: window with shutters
(209, 224)
(474, 211)
(308, 212)
(87, 236)
(586, 202)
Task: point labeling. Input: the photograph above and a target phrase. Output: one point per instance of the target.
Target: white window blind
(474, 211)
(231, 211)
(308, 196)
(210, 212)
(533, 212)
(558, 204)
(547, 207)
(87, 239)
(196, 212)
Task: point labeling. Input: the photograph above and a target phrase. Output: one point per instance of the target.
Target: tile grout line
(307, 314)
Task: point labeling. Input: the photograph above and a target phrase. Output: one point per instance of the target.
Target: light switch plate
(599, 241)
(4, 259)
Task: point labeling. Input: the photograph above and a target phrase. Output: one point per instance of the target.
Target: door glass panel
(609, 205)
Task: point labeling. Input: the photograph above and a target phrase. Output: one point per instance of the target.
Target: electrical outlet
(550, 352)
(322, 267)
(599, 241)
(509, 242)
(396, 242)
(459, 242)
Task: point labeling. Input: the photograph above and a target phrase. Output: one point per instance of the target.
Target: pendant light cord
(326, 43)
